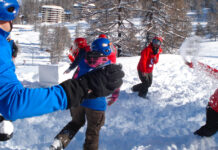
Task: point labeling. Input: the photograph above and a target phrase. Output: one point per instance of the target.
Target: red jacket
(212, 71)
(74, 54)
(214, 98)
(148, 59)
(113, 56)
(214, 101)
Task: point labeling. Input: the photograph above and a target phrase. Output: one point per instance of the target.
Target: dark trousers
(95, 120)
(146, 80)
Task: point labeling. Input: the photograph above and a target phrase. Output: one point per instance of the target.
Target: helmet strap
(11, 24)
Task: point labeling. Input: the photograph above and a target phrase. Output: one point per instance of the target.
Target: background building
(52, 14)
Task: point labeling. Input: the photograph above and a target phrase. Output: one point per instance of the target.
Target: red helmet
(159, 38)
(102, 36)
(80, 42)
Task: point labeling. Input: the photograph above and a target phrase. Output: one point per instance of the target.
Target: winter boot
(143, 93)
(211, 126)
(56, 145)
(64, 137)
(136, 87)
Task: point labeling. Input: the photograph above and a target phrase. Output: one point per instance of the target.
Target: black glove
(97, 83)
(6, 129)
(14, 50)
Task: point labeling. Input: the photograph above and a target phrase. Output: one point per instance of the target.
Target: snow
(166, 120)
(6, 127)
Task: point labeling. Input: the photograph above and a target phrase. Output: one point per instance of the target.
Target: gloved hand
(190, 64)
(114, 97)
(6, 129)
(97, 83)
(67, 71)
(14, 50)
(111, 100)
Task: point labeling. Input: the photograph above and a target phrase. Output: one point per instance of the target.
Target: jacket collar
(150, 47)
(4, 33)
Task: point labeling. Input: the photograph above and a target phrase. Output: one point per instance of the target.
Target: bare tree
(55, 39)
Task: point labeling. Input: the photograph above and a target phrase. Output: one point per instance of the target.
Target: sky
(165, 120)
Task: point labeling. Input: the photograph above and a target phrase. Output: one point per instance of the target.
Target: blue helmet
(102, 45)
(8, 9)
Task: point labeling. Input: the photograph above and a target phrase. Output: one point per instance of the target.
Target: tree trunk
(119, 31)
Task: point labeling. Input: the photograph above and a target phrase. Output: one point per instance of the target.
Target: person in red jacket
(113, 56)
(149, 57)
(211, 126)
(79, 43)
(80, 48)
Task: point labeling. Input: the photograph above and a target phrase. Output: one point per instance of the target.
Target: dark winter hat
(8, 10)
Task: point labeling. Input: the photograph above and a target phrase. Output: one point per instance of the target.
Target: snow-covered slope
(166, 120)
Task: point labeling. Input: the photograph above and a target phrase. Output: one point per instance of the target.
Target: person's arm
(190, 64)
(144, 60)
(17, 102)
(71, 57)
(204, 67)
(207, 68)
(156, 60)
(78, 58)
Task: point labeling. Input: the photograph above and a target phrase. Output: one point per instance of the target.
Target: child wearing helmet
(93, 111)
(113, 55)
(79, 43)
(149, 57)
(79, 49)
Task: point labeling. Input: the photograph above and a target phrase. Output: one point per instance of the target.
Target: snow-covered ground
(166, 120)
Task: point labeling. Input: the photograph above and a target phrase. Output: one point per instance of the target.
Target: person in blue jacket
(18, 102)
(92, 110)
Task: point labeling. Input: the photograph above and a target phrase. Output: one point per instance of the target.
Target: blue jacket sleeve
(17, 102)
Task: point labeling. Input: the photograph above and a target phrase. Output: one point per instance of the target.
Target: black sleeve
(79, 57)
(75, 91)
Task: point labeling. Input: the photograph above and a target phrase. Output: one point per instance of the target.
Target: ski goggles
(95, 59)
(156, 43)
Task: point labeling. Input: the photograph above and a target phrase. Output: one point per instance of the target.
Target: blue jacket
(17, 102)
(99, 103)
